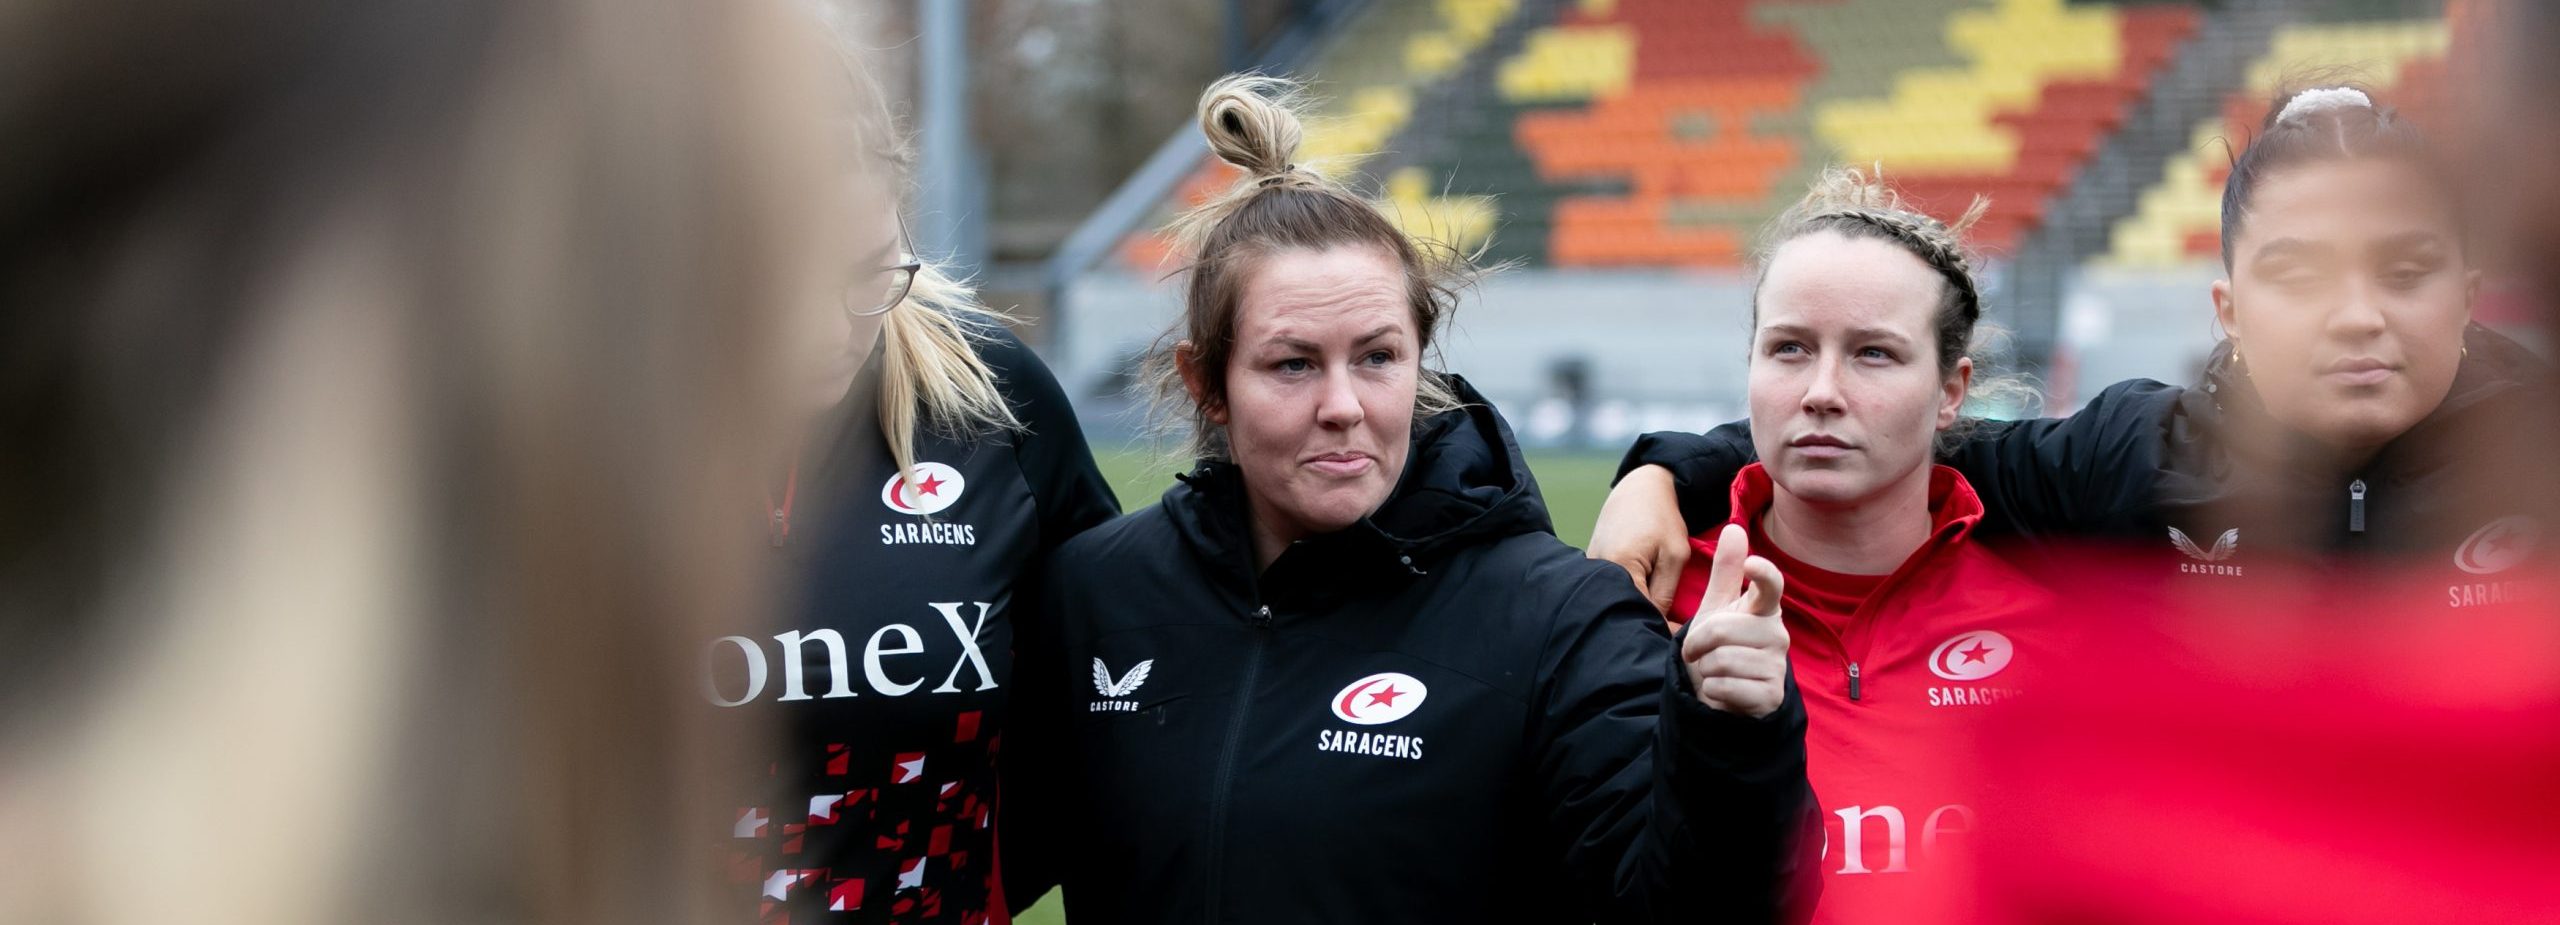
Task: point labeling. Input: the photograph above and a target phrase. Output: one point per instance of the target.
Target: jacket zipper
(1840, 640)
(1224, 786)
(2355, 506)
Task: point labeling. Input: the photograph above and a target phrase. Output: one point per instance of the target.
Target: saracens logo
(1971, 656)
(1379, 698)
(2500, 545)
(933, 487)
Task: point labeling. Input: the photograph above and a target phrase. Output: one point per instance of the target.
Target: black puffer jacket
(1441, 714)
(2151, 463)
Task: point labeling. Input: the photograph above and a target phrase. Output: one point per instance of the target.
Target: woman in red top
(1904, 633)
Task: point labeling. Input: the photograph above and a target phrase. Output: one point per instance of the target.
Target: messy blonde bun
(1252, 122)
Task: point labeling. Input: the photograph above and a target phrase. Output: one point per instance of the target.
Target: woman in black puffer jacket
(1345, 672)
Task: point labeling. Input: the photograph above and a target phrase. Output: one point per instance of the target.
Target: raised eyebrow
(1381, 331)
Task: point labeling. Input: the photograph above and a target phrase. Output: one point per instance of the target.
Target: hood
(1464, 484)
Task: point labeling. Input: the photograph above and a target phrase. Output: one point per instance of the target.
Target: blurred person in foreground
(2511, 103)
(936, 464)
(1344, 671)
(383, 385)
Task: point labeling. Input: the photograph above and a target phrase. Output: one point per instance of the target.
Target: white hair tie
(2312, 102)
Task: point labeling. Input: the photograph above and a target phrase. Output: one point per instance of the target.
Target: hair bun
(1251, 122)
(2313, 102)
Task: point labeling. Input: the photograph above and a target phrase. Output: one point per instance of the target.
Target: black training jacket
(2155, 464)
(1441, 714)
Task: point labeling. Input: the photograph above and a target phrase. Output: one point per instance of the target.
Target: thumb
(1724, 572)
(1764, 589)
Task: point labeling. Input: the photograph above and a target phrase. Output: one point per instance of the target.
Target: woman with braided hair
(1898, 622)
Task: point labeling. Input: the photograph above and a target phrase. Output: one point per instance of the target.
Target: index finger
(1766, 584)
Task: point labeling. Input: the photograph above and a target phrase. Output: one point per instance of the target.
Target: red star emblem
(1387, 697)
(2496, 542)
(1976, 653)
(930, 486)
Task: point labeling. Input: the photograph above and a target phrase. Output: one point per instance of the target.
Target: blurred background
(1618, 154)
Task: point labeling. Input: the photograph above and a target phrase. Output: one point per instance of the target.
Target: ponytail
(932, 378)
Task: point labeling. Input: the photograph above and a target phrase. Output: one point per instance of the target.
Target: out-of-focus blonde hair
(933, 379)
(385, 384)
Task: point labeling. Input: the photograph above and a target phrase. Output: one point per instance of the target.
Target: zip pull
(2355, 506)
(1853, 680)
(1262, 615)
(779, 529)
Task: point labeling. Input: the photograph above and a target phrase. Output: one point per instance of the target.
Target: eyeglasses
(885, 287)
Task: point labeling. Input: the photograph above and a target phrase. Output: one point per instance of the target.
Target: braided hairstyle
(1858, 205)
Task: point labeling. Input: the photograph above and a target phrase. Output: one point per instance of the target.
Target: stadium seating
(1661, 133)
(2179, 220)
(1365, 84)
(1701, 118)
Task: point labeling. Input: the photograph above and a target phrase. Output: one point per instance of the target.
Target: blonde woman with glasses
(939, 464)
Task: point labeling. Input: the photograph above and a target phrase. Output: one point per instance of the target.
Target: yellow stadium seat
(1940, 120)
(1561, 63)
(1458, 221)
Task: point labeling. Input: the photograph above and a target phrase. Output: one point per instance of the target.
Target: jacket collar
(1465, 483)
(1954, 508)
(2494, 372)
